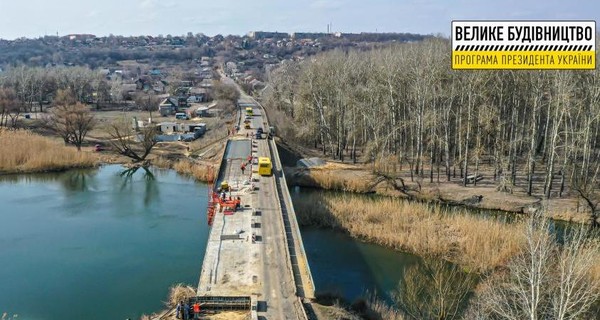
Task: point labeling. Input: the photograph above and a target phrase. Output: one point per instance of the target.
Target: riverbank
(200, 163)
(27, 152)
(361, 178)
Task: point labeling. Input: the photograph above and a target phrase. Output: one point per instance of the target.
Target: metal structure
(216, 303)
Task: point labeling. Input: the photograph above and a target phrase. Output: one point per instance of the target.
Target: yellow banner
(471, 60)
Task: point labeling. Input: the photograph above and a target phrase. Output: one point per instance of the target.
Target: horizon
(38, 18)
(184, 34)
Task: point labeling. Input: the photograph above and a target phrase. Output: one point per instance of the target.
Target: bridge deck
(231, 263)
(234, 265)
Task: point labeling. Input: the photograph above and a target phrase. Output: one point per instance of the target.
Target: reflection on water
(78, 180)
(150, 186)
(73, 180)
(100, 240)
(349, 268)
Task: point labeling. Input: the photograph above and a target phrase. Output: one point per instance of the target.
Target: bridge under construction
(254, 259)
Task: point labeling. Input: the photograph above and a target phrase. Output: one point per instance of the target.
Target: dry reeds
(331, 180)
(378, 309)
(180, 292)
(24, 151)
(162, 163)
(475, 243)
(201, 172)
(387, 164)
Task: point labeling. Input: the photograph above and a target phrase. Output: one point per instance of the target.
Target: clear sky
(33, 18)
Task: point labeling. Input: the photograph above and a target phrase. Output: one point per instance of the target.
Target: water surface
(95, 244)
(352, 269)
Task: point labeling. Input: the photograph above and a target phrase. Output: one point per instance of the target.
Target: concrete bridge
(255, 256)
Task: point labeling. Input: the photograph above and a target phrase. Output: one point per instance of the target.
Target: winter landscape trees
(538, 130)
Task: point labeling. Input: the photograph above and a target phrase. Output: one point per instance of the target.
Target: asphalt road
(278, 289)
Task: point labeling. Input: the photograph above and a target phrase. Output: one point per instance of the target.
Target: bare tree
(148, 102)
(575, 292)
(225, 92)
(546, 281)
(116, 90)
(434, 290)
(71, 122)
(405, 103)
(8, 102)
(129, 143)
(64, 97)
(588, 187)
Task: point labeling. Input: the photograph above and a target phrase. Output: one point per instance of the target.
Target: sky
(34, 18)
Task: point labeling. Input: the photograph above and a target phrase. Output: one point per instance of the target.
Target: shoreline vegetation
(27, 152)
(362, 180)
(203, 172)
(486, 255)
(476, 244)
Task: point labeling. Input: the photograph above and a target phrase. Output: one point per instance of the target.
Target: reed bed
(162, 163)
(24, 152)
(476, 244)
(378, 309)
(201, 172)
(180, 292)
(332, 180)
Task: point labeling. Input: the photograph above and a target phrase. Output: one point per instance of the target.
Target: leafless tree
(148, 102)
(405, 103)
(547, 280)
(8, 105)
(434, 290)
(225, 92)
(588, 188)
(127, 142)
(71, 122)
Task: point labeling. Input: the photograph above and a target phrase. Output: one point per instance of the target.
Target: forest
(404, 104)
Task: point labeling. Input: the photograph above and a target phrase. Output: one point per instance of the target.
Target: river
(352, 269)
(95, 244)
(100, 244)
(347, 267)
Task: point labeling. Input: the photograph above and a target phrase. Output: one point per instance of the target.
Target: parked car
(98, 148)
(182, 116)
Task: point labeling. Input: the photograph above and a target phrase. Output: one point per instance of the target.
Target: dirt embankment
(368, 178)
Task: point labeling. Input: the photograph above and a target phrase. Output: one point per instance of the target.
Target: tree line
(28, 89)
(405, 101)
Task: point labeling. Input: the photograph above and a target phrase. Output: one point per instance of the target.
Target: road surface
(234, 264)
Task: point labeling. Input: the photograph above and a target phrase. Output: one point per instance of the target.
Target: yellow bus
(249, 111)
(264, 166)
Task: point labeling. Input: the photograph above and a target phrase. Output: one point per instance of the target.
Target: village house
(168, 106)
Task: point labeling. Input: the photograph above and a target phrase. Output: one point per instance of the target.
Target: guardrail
(292, 220)
(290, 265)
